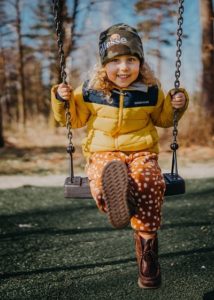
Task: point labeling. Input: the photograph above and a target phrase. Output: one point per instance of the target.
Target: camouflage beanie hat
(120, 39)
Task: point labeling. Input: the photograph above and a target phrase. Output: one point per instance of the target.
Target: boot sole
(115, 189)
(142, 286)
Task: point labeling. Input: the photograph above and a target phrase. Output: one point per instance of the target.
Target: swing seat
(175, 184)
(79, 188)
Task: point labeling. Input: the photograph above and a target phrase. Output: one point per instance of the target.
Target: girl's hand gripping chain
(64, 91)
(178, 100)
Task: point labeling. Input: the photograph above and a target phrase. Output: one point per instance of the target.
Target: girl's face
(123, 70)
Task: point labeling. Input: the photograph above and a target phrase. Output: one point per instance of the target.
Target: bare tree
(2, 75)
(207, 16)
(69, 30)
(155, 14)
(1, 127)
(2, 91)
(18, 26)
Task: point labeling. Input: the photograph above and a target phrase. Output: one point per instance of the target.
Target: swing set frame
(77, 186)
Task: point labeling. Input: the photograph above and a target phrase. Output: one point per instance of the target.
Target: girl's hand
(178, 100)
(64, 91)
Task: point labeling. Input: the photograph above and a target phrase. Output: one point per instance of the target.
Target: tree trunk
(207, 56)
(74, 23)
(1, 128)
(2, 90)
(22, 106)
(159, 56)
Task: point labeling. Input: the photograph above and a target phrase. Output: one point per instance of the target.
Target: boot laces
(149, 254)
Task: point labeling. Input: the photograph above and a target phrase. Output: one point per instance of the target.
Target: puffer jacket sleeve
(162, 116)
(78, 109)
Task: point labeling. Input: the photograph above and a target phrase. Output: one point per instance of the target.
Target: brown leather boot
(147, 258)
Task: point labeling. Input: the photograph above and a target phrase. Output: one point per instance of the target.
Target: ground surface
(56, 248)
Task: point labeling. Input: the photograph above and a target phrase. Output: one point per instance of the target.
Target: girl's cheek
(112, 68)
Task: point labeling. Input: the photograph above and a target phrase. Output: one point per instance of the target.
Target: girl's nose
(123, 65)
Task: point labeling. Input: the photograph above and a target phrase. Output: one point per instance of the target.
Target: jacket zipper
(120, 115)
(120, 110)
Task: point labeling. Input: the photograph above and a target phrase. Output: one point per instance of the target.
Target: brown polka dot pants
(146, 185)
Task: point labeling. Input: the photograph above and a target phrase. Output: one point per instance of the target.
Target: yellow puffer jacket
(126, 122)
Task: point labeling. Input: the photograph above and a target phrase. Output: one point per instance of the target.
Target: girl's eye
(132, 59)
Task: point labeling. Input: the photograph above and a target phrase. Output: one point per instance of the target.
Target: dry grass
(194, 129)
(39, 149)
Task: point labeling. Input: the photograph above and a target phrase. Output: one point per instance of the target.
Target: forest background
(30, 140)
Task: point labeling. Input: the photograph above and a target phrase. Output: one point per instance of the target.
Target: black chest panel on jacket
(131, 98)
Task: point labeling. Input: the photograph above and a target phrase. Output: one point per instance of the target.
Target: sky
(122, 11)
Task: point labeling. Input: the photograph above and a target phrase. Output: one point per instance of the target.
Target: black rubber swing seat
(78, 187)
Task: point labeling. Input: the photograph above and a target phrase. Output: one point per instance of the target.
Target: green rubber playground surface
(56, 248)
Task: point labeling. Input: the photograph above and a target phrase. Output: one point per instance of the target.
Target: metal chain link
(179, 43)
(57, 9)
(174, 146)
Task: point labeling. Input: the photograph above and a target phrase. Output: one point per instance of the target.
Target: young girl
(121, 105)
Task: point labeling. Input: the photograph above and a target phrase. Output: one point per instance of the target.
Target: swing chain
(174, 146)
(57, 9)
(179, 43)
